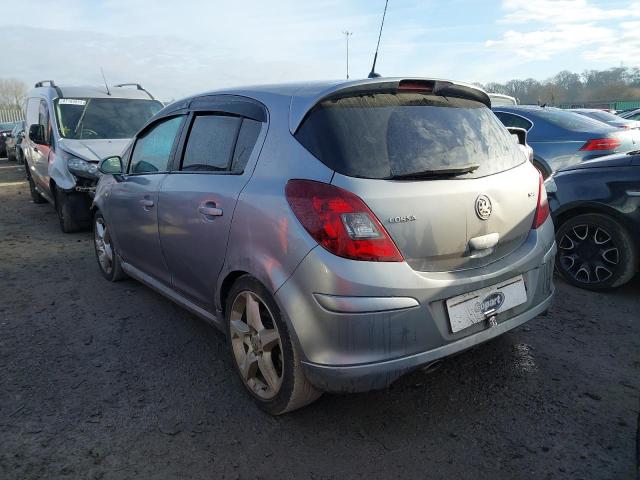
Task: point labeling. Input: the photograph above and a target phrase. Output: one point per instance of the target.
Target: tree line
(12, 93)
(614, 84)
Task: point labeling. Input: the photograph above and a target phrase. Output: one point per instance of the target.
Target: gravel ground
(112, 381)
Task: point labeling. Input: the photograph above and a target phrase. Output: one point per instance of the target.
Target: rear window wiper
(439, 172)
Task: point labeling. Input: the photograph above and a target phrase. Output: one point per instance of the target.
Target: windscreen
(386, 135)
(102, 118)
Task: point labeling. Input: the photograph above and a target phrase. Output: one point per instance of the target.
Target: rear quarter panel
(607, 190)
(266, 240)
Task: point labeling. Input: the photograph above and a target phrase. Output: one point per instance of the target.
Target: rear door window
(219, 143)
(210, 143)
(394, 134)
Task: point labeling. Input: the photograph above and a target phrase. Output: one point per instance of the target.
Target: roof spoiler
(138, 87)
(52, 84)
(302, 104)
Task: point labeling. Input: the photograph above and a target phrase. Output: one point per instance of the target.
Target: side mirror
(36, 134)
(519, 133)
(111, 166)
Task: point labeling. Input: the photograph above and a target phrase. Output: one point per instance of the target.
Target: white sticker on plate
(72, 101)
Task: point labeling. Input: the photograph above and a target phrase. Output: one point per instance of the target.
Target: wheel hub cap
(588, 253)
(256, 344)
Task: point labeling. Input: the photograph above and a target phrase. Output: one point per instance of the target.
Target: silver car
(68, 130)
(341, 234)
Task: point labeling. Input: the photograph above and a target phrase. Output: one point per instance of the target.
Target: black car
(595, 206)
(13, 143)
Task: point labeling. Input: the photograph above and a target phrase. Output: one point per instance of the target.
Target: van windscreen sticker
(72, 101)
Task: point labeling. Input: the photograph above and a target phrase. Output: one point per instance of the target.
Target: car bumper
(362, 325)
(374, 376)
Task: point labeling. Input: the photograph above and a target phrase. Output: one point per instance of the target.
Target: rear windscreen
(386, 135)
(572, 121)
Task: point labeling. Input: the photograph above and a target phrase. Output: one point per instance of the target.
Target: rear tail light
(340, 221)
(542, 209)
(602, 144)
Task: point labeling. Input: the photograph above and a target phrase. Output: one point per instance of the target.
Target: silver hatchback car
(341, 234)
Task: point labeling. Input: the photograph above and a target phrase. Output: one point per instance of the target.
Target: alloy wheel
(256, 344)
(588, 253)
(104, 248)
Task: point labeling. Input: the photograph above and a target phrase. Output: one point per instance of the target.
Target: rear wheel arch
(225, 287)
(583, 209)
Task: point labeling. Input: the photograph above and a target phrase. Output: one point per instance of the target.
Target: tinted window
(244, 146)
(153, 149)
(210, 143)
(101, 118)
(510, 120)
(385, 135)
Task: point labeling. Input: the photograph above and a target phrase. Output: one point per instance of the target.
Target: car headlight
(79, 166)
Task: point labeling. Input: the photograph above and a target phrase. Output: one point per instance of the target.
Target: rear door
(198, 198)
(388, 149)
(133, 203)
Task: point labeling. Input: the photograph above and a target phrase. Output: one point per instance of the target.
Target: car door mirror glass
(111, 165)
(36, 134)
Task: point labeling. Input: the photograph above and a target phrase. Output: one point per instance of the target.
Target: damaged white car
(69, 129)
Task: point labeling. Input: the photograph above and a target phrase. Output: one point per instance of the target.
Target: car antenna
(372, 73)
(105, 81)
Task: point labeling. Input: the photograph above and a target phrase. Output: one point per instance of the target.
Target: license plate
(474, 307)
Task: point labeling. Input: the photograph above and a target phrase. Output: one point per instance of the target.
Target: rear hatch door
(440, 172)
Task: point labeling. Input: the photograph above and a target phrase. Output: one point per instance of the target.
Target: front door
(133, 206)
(198, 199)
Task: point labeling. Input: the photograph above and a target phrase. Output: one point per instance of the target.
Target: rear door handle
(209, 209)
(146, 203)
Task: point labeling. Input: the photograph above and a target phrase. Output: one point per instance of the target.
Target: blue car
(560, 138)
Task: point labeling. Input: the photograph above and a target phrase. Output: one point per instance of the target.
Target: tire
(106, 253)
(595, 252)
(288, 389)
(35, 196)
(73, 211)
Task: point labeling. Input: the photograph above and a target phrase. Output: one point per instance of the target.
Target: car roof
(303, 96)
(71, 91)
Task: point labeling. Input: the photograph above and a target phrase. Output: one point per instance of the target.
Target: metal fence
(613, 105)
(11, 115)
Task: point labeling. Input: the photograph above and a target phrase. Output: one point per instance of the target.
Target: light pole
(347, 35)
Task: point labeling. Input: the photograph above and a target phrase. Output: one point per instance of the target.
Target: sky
(177, 48)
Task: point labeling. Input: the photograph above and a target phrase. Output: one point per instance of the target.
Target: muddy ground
(112, 381)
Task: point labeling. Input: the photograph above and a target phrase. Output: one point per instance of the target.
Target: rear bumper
(361, 325)
(374, 376)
